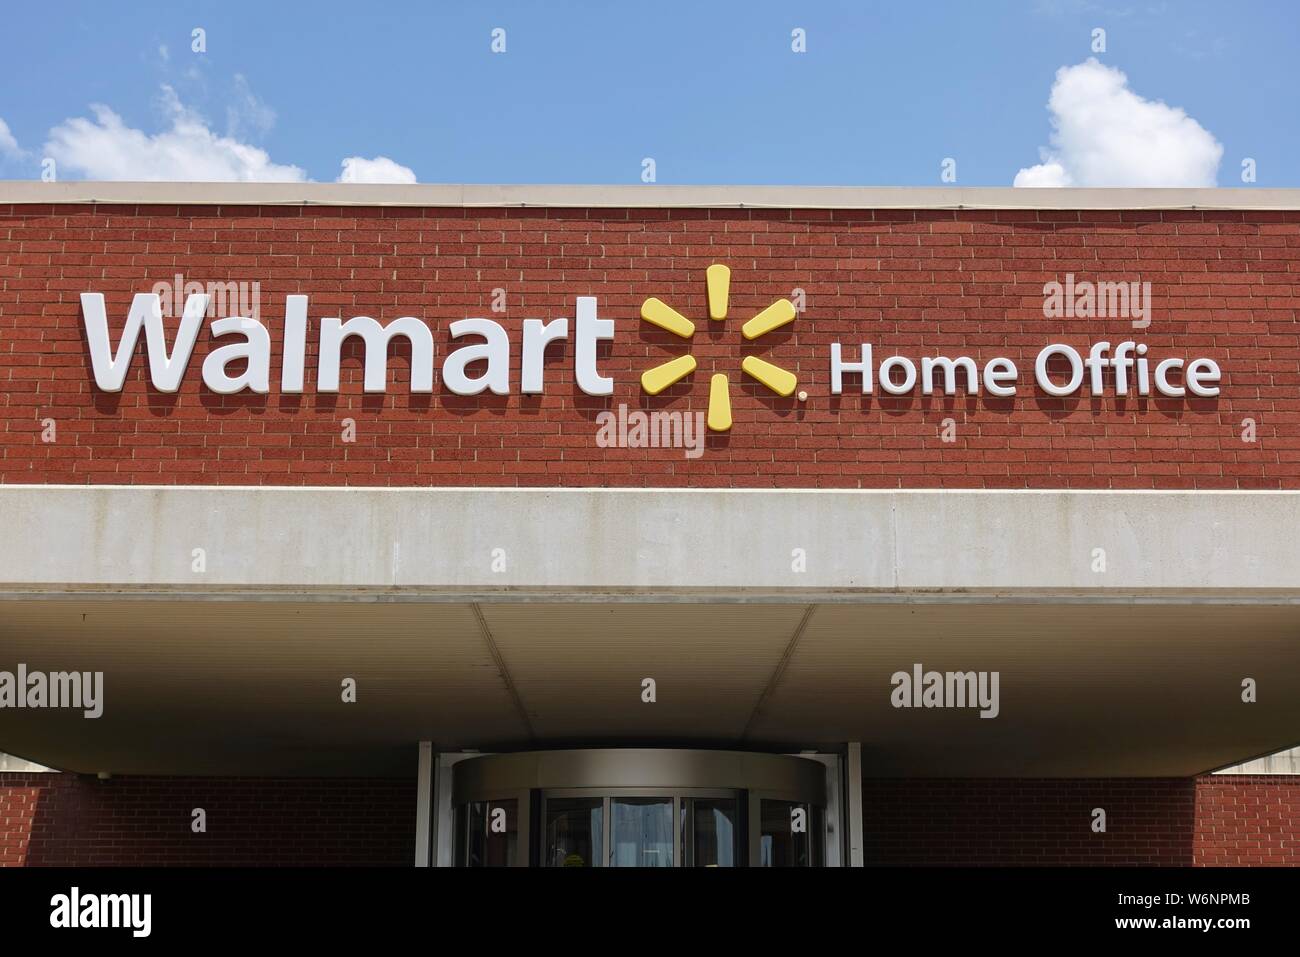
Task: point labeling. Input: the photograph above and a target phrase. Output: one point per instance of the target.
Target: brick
(923, 282)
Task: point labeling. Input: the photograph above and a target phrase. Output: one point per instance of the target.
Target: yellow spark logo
(659, 313)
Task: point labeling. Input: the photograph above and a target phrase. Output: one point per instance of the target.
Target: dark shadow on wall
(81, 821)
(996, 822)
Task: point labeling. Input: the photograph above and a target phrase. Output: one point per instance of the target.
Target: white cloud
(8, 145)
(105, 148)
(1104, 134)
(248, 110)
(381, 169)
(1044, 174)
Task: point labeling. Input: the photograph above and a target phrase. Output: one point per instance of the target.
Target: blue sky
(585, 91)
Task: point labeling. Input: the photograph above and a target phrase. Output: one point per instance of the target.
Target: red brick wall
(73, 820)
(19, 795)
(1035, 822)
(1248, 819)
(1208, 821)
(1225, 285)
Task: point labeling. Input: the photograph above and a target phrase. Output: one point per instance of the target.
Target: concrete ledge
(14, 765)
(1283, 762)
(677, 544)
(644, 196)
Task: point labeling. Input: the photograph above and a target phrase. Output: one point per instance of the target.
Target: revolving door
(639, 808)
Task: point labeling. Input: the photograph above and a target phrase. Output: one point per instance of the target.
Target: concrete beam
(604, 544)
(640, 196)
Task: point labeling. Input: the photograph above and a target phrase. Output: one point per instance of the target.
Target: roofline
(644, 196)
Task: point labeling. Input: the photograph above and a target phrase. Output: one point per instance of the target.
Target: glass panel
(487, 834)
(715, 832)
(461, 823)
(817, 835)
(683, 832)
(574, 831)
(790, 833)
(642, 832)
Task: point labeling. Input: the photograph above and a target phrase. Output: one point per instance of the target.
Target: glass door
(711, 831)
(651, 827)
(573, 833)
(487, 834)
(641, 832)
(790, 834)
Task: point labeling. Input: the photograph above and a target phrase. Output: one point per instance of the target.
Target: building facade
(653, 526)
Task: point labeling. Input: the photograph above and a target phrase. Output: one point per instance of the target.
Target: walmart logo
(658, 313)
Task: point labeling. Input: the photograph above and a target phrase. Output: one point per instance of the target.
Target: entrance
(639, 808)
